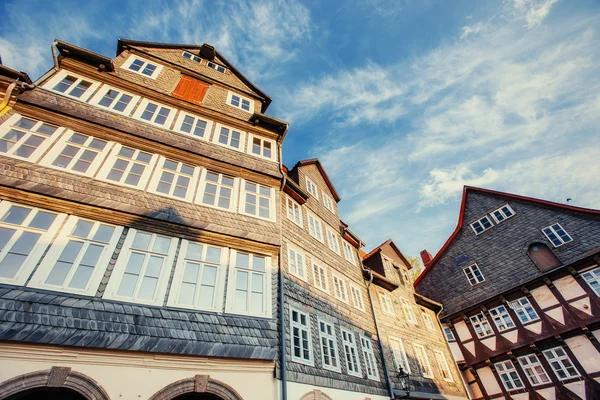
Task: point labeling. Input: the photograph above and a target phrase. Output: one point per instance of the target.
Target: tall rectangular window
(294, 211)
(77, 153)
(241, 102)
(443, 364)
(174, 179)
(229, 137)
(387, 306)
(115, 100)
(351, 353)
(301, 340)
(557, 235)
(197, 282)
(314, 227)
(155, 114)
(357, 297)
(296, 262)
(26, 138)
(399, 354)
(369, 355)
(502, 213)
(142, 270)
(407, 309)
(217, 190)
(509, 376)
(320, 277)
(534, 370)
(249, 284)
(524, 310)
(427, 320)
(473, 274)
(481, 225)
(328, 202)
(332, 240)
(349, 251)
(311, 187)
(592, 277)
(128, 166)
(561, 363)
(501, 318)
(329, 349)
(449, 335)
(423, 360)
(481, 325)
(193, 126)
(25, 233)
(257, 200)
(261, 147)
(142, 66)
(77, 260)
(339, 286)
(72, 85)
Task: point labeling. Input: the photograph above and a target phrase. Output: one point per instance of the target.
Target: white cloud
(473, 29)
(533, 12)
(447, 183)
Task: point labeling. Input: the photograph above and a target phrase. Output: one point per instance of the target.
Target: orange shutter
(190, 89)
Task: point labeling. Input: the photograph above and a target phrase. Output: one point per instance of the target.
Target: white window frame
(502, 319)
(330, 344)
(509, 376)
(231, 285)
(133, 57)
(139, 111)
(310, 186)
(386, 303)
(307, 328)
(157, 173)
(340, 288)
(328, 202)
(520, 305)
(9, 125)
(321, 282)
(201, 188)
(592, 277)
(502, 213)
(97, 98)
(192, 57)
(399, 354)
(230, 95)
(174, 292)
(534, 370)
(407, 310)
(449, 334)
(56, 79)
(61, 144)
(423, 360)
(217, 133)
(38, 250)
(350, 345)
(179, 122)
(116, 277)
(427, 320)
(440, 357)
(553, 231)
(357, 298)
(471, 269)
(38, 280)
(243, 194)
(297, 253)
(485, 217)
(112, 158)
(294, 211)
(558, 365)
(250, 147)
(216, 67)
(333, 240)
(480, 321)
(349, 251)
(370, 361)
(317, 226)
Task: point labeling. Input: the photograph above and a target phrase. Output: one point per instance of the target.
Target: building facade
(520, 284)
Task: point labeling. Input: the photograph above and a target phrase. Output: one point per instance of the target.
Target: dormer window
(502, 213)
(217, 67)
(557, 235)
(191, 56)
(240, 102)
(142, 66)
(481, 225)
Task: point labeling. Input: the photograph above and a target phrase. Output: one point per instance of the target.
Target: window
(481, 325)
(449, 335)
(301, 337)
(294, 211)
(502, 213)
(524, 310)
(25, 232)
(339, 286)
(320, 277)
(481, 225)
(216, 67)
(534, 370)
(561, 363)
(229, 137)
(312, 188)
(399, 354)
(509, 376)
(387, 307)
(443, 364)
(408, 311)
(217, 190)
(77, 260)
(128, 166)
(328, 202)
(142, 270)
(592, 277)
(155, 114)
(191, 56)
(388, 267)
(237, 101)
(142, 66)
(473, 274)
(249, 286)
(77, 153)
(423, 360)
(194, 126)
(501, 318)
(348, 251)
(72, 85)
(427, 320)
(542, 256)
(351, 353)
(370, 362)
(198, 278)
(26, 138)
(314, 227)
(406, 276)
(557, 235)
(332, 240)
(174, 179)
(261, 147)
(357, 297)
(257, 200)
(329, 350)
(296, 262)
(115, 100)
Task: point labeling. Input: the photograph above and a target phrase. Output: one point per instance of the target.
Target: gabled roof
(461, 217)
(389, 242)
(315, 161)
(124, 43)
(70, 50)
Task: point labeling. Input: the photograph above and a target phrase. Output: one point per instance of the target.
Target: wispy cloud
(533, 12)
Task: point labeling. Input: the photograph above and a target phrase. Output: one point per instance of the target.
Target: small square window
(509, 376)
(557, 235)
(229, 137)
(561, 363)
(501, 318)
(481, 225)
(592, 277)
(534, 370)
(191, 56)
(257, 200)
(238, 101)
(261, 147)
(192, 125)
(115, 100)
(174, 179)
(473, 274)
(72, 85)
(217, 67)
(217, 190)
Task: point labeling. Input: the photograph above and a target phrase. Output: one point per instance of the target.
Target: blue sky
(404, 101)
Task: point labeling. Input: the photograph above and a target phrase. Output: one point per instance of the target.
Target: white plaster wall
(585, 352)
(568, 287)
(456, 353)
(462, 330)
(297, 390)
(544, 297)
(489, 381)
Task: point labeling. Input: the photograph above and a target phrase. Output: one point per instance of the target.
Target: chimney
(426, 257)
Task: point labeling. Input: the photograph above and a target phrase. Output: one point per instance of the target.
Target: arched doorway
(200, 387)
(47, 394)
(543, 257)
(198, 396)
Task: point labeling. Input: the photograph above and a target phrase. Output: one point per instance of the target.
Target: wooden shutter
(190, 89)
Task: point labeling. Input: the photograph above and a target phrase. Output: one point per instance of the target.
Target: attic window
(481, 225)
(191, 56)
(557, 235)
(237, 101)
(217, 67)
(473, 274)
(502, 213)
(142, 66)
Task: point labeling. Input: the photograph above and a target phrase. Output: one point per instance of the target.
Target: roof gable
(390, 250)
(317, 163)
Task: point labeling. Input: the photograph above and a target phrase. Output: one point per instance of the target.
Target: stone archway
(57, 377)
(197, 384)
(315, 395)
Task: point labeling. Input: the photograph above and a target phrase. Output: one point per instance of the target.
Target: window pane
(16, 215)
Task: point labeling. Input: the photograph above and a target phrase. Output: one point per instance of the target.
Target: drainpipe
(20, 87)
(385, 369)
(282, 358)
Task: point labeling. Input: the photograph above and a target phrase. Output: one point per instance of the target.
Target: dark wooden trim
(563, 302)
(498, 379)
(584, 285)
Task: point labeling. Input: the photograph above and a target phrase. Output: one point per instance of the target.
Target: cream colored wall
(297, 390)
(132, 375)
(456, 353)
(463, 331)
(585, 352)
(489, 381)
(568, 287)
(544, 297)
